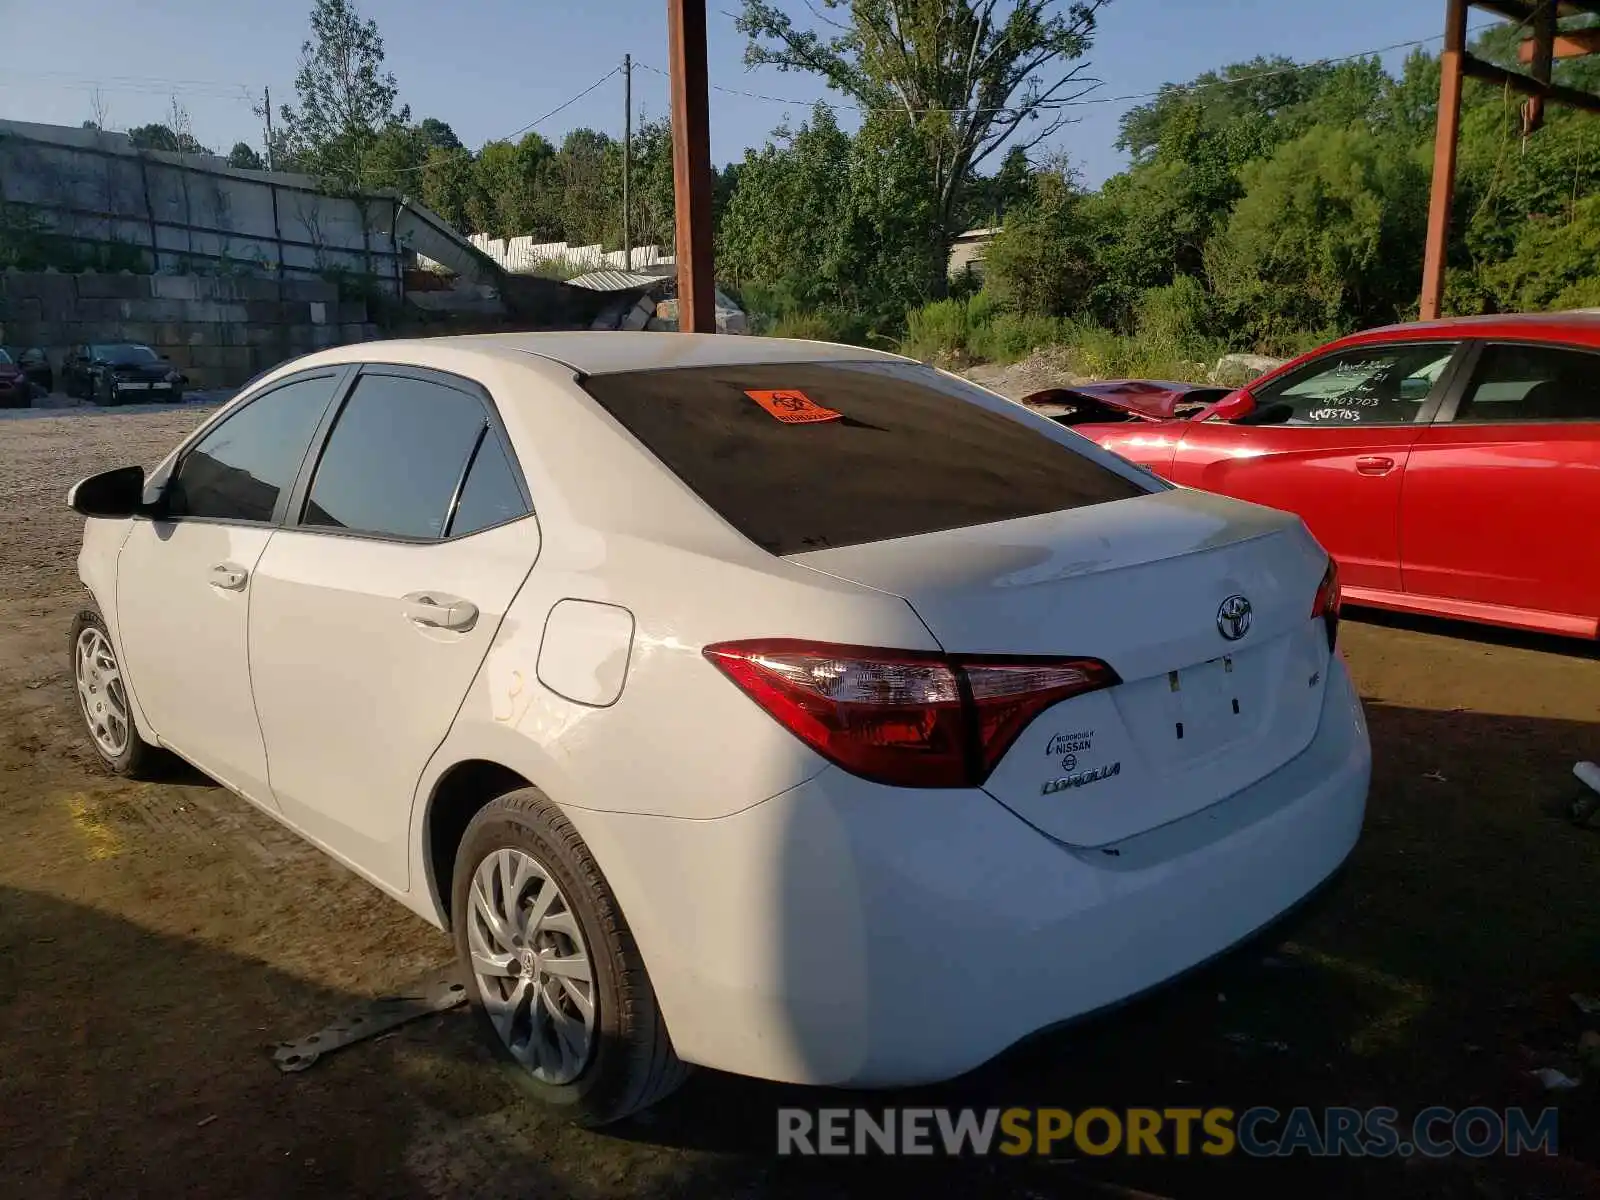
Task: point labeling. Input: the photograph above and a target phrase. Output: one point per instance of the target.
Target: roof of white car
(605, 352)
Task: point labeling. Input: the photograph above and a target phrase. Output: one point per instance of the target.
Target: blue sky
(489, 67)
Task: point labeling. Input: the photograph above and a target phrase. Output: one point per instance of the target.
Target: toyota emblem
(1233, 618)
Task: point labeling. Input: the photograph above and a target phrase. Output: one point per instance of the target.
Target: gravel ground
(156, 939)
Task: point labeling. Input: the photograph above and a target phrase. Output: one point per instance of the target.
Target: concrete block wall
(217, 330)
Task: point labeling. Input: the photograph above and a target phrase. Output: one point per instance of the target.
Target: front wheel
(559, 989)
(102, 694)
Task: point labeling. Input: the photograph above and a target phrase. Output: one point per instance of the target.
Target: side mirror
(113, 495)
(1233, 406)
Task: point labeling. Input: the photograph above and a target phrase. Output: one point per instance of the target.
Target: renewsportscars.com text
(1216, 1132)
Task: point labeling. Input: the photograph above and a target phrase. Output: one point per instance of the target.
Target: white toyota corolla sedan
(792, 709)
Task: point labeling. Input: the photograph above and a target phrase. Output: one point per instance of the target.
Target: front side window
(238, 470)
(396, 458)
(1366, 385)
(1532, 383)
(806, 456)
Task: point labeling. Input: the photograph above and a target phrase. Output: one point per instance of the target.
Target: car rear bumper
(850, 934)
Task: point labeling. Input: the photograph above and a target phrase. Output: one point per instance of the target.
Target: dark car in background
(35, 364)
(119, 373)
(15, 389)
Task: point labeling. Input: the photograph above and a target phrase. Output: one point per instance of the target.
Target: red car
(1451, 467)
(15, 389)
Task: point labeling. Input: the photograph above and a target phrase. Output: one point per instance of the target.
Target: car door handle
(433, 611)
(1374, 464)
(230, 577)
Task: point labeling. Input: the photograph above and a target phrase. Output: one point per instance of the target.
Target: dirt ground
(156, 940)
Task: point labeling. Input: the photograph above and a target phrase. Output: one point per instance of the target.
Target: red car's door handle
(1374, 464)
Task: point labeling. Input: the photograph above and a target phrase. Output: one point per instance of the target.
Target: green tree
(517, 190)
(244, 156)
(159, 136)
(954, 79)
(436, 134)
(589, 166)
(449, 186)
(1327, 236)
(1041, 263)
(346, 100)
(782, 223)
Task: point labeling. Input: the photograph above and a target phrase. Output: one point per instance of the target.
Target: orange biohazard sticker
(792, 407)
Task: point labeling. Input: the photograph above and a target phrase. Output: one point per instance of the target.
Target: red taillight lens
(1326, 604)
(904, 717)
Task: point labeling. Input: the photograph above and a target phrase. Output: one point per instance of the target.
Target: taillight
(1326, 604)
(904, 717)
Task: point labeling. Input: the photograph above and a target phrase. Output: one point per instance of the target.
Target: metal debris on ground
(1588, 1005)
(435, 992)
(1554, 1080)
(1436, 776)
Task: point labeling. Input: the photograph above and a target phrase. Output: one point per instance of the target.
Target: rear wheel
(558, 989)
(103, 703)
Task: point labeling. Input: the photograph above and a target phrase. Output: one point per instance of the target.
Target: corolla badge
(1233, 618)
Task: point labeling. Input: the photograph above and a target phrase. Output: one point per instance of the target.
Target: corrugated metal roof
(615, 281)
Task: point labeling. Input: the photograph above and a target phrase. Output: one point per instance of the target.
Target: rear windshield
(806, 456)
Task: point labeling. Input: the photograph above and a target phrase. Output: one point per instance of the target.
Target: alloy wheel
(531, 965)
(101, 693)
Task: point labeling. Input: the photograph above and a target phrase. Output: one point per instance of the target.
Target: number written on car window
(1367, 385)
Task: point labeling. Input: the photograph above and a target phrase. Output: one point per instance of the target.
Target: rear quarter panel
(1151, 444)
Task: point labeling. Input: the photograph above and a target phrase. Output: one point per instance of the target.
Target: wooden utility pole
(691, 164)
(266, 111)
(1444, 157)
(627, 160)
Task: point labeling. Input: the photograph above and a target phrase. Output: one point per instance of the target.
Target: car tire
(626, 1062)
(129, 756)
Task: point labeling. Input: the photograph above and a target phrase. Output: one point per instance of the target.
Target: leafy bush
(938, 331)
(1041, 262)
(1009, 336)
(1176, 314)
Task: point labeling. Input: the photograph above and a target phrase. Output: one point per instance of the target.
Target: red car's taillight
(1326, 604)
(904, 717)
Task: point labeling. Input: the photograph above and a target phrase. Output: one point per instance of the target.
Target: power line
(531, 124)
(559, 107)
(1086, 101)
(138, 84)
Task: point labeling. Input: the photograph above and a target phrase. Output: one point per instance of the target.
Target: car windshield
(805, 456)
(4, 357)
(126, 355)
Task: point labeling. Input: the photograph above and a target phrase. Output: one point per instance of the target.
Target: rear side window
(396, 458)
(1516, 382)
(490, 496)
(238, 470)
(903, 453)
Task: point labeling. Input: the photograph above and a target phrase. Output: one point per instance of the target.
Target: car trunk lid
(1152, 586)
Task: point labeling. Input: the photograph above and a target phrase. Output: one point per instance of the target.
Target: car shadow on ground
(1434, 971)
(1474, 631)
